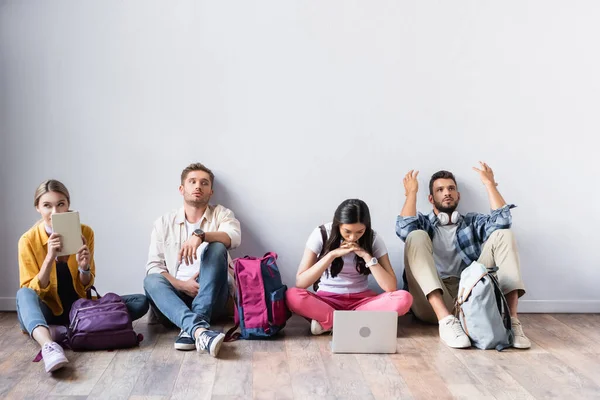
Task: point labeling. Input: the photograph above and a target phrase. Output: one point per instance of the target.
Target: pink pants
(320, 306)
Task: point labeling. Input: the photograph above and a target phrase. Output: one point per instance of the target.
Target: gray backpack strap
(503, 306)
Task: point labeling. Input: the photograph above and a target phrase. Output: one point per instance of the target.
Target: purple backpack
(260, 309)
(101, 324)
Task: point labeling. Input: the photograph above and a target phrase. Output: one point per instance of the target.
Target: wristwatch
(372, 261)
(200, 233)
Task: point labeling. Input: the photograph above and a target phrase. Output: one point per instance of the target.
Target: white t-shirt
(185, 272)
(348, 280)
(448, 261)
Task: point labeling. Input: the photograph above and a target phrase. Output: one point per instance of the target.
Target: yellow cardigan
(33, 248)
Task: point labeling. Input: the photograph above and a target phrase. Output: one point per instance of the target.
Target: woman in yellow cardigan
(51, 284)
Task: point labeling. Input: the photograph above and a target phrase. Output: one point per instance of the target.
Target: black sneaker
(184, 341)
(210, 341)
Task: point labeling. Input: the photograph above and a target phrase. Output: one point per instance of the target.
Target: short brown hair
(440, 175)
(51, 185)
(197, 167)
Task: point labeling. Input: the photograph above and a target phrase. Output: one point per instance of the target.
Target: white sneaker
(316, 328)
(54, 356)
(521, 341)
(452, 333)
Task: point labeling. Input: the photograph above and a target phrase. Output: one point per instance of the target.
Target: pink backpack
(260, 309)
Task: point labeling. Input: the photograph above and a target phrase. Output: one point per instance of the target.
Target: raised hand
(486, 174)
(411, 185)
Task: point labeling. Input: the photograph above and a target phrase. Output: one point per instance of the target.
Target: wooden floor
(563, 363)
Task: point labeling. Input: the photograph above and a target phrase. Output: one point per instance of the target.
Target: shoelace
(184, 334)
(457, 328)
(203, 338)
(51, 347)
(517, 329)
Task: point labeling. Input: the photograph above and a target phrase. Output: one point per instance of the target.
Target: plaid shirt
(473, 229)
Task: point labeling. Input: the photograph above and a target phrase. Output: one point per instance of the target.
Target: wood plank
(420, 377)
(36, 383)
(82, 373)
(497, 381)
(307, 371)
(275, 345)
(161, 369)
(9, 320)
(422, 380)
(559, 330)
(382, 377)
(196, 377)
(345, 376)
(120, 376)
(233, 370)
(587, 325)
(271, 376)
(10, 337)
(563, 363)
(552, 335)
(458, 378)
(17, 352)
(546, 377)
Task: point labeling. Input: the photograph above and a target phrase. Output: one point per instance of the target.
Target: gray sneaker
(521, 341)
(210, 341)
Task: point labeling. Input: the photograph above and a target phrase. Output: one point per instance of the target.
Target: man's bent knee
(416, 237)
(152, 281)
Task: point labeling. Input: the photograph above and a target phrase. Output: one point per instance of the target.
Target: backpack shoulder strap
(324, 237)
(504, 313)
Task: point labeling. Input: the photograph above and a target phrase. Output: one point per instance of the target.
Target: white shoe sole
(465, 345)
(57, 366)
(184, 346)
(216, 345)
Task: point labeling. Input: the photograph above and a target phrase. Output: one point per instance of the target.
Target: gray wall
(296, 106)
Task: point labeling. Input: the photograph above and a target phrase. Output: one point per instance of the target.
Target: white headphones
(445, 219)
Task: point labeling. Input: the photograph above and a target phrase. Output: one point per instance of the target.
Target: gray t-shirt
(447, 259)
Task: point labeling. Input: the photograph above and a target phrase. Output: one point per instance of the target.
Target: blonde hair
(51, 185)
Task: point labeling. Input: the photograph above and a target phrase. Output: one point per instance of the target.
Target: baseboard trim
(525, 306)
(8, 304)
(559, 306)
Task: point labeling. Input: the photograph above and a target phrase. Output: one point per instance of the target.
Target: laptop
(364, 331)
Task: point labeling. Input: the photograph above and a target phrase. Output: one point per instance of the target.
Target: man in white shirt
(188, 262)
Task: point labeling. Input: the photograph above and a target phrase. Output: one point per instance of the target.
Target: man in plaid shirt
(440, 245)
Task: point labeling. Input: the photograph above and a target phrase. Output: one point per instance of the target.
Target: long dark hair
(351, 211)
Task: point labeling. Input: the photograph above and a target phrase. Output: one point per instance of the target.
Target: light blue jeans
(184, 311)
(33, 312)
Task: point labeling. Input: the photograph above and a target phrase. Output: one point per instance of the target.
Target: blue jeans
(191, 313)
(33, 312)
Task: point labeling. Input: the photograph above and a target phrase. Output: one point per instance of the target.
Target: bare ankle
(198, 331)
(436, 300)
